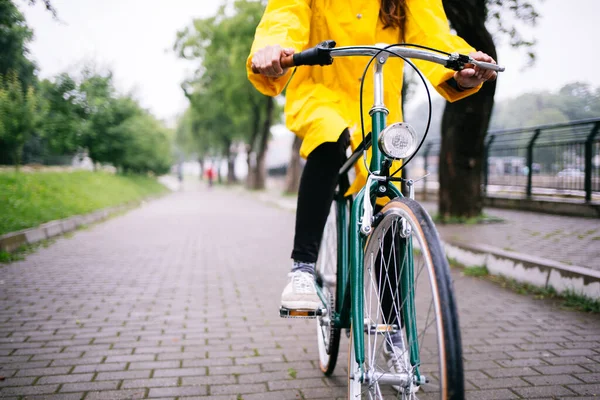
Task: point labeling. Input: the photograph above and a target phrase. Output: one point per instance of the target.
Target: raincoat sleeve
(286, 23)
(426, 24)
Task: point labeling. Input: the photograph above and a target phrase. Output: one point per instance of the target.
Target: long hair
(393, 14)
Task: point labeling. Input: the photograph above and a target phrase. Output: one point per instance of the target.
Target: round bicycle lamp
(398, 141)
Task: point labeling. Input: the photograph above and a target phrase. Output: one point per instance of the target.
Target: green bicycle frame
(350, 291)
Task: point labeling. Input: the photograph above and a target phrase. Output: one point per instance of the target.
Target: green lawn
(30, 199)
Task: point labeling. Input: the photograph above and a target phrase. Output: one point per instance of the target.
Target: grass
(20, 253)
(476, 271)
(553, 233)
(568, 300)
(30, 199)
(292, 373)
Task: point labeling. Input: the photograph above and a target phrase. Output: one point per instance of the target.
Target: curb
(524, 268)
(10, 242)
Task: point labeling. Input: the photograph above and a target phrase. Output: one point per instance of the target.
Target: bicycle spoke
(386, 298)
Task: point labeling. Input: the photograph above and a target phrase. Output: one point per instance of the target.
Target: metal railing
(561, 159)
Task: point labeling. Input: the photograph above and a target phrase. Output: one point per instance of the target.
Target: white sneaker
(398, 362)
(300, 293)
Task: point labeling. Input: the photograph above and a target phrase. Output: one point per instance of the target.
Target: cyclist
(322, 103)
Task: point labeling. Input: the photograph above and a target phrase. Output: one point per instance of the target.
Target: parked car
(571, 173)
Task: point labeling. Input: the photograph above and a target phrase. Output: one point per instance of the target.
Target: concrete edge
(527, 269)
(10, 242)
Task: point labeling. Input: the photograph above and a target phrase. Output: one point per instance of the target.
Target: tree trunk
(216, 165)
(250, 156)
(294, 171)
(230, 154)
(260, 176)
(465, 123)
(201, 162)
(17, 157)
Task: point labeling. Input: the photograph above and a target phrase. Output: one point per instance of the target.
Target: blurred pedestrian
(210, 174)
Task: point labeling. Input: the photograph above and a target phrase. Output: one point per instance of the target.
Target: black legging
(317, 187)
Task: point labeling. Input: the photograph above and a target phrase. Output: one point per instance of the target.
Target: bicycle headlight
(398, 141)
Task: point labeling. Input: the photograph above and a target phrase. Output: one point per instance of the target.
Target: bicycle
(372, 257)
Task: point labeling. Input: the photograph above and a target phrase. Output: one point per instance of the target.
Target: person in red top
(210, 174)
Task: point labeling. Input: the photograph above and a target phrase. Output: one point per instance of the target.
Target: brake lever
(457, 62)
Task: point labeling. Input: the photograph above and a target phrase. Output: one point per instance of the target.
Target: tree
(147, 146)
(465, 123)
(118, 131)
(65, 114)
(579, 101)
(15, 35)
(47, 4)
(19, 115)
(222, 43)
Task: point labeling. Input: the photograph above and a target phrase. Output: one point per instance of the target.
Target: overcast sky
(134, 38)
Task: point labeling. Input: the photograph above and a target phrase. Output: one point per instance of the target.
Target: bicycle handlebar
(325, 52)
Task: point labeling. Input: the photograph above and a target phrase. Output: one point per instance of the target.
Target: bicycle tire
(328, 338)
(383, 251)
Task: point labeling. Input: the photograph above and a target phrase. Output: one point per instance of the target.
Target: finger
(260, 61)
(289, 51)
(467, 73)
(275, 60)
(490, 76)
(268, 60)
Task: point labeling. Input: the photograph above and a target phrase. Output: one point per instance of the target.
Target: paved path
(569, 240)
(178, 300)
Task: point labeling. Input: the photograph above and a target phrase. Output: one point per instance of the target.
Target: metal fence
(550, 159)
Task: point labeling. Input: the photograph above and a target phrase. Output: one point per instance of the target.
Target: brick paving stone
(495, 394)
(100, 367)
(589, 378)
(508, 372)
(179, 372)
(552, 380)
(89, 386)
(275, 395)
(154, 382)
(544, 391)
(499, 383)
(179, 391)
(72, 378)
(237, 389)
(131, 394)
(587, 390)
(61, 396)
(43, 371)
(560, 369)
(17, 381)
(28, 390)
(173, 300)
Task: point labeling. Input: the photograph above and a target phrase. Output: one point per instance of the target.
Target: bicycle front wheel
(412, 346)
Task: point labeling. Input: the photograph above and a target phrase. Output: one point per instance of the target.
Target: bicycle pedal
(306, 314)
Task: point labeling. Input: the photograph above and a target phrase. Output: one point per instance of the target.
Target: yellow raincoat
(323, 101)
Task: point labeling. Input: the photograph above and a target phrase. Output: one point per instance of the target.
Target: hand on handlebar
(267, 61)
(473, 76)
